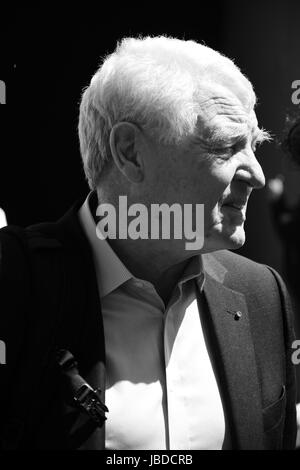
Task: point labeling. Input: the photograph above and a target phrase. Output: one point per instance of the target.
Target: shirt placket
(176, 404)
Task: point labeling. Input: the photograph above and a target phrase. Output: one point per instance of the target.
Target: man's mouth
(238, 207)
(236, 204)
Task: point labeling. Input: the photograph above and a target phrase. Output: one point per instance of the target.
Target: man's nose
(252, 172)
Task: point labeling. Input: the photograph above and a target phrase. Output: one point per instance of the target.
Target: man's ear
(125, 149)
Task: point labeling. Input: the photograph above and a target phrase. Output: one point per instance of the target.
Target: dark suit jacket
(251, 356)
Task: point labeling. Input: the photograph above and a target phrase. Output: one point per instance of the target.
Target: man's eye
(224, 150)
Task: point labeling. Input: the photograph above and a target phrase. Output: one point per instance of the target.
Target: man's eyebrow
(218, 136)
(261, 135)
(229, 136)
(222, 136)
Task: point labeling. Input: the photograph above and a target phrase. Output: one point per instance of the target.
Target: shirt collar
(194, 270)
(111, 272)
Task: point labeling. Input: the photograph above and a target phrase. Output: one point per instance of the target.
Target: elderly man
(191, 349)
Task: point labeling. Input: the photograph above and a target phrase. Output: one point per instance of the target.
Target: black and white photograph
(150, 229)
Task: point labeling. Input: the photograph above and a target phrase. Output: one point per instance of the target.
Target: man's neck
(149, 265)
(147, 259)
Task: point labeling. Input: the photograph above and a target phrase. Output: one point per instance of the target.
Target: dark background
(49, 54)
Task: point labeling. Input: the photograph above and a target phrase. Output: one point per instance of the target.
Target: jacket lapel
(233, 356)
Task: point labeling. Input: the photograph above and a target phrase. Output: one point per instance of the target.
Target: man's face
(215, 167)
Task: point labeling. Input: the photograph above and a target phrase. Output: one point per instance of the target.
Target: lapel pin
(236, 315)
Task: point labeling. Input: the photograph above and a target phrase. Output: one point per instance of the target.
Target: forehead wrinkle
(232, 90)
(225, 114)
(220, 129)
(218, 107)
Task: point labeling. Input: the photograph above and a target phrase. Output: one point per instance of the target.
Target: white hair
(154, 82)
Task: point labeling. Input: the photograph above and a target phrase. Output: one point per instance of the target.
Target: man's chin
(225, 240)
(236, 239)
(236, 242)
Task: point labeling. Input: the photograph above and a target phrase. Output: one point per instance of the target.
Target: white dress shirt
(161, 390)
